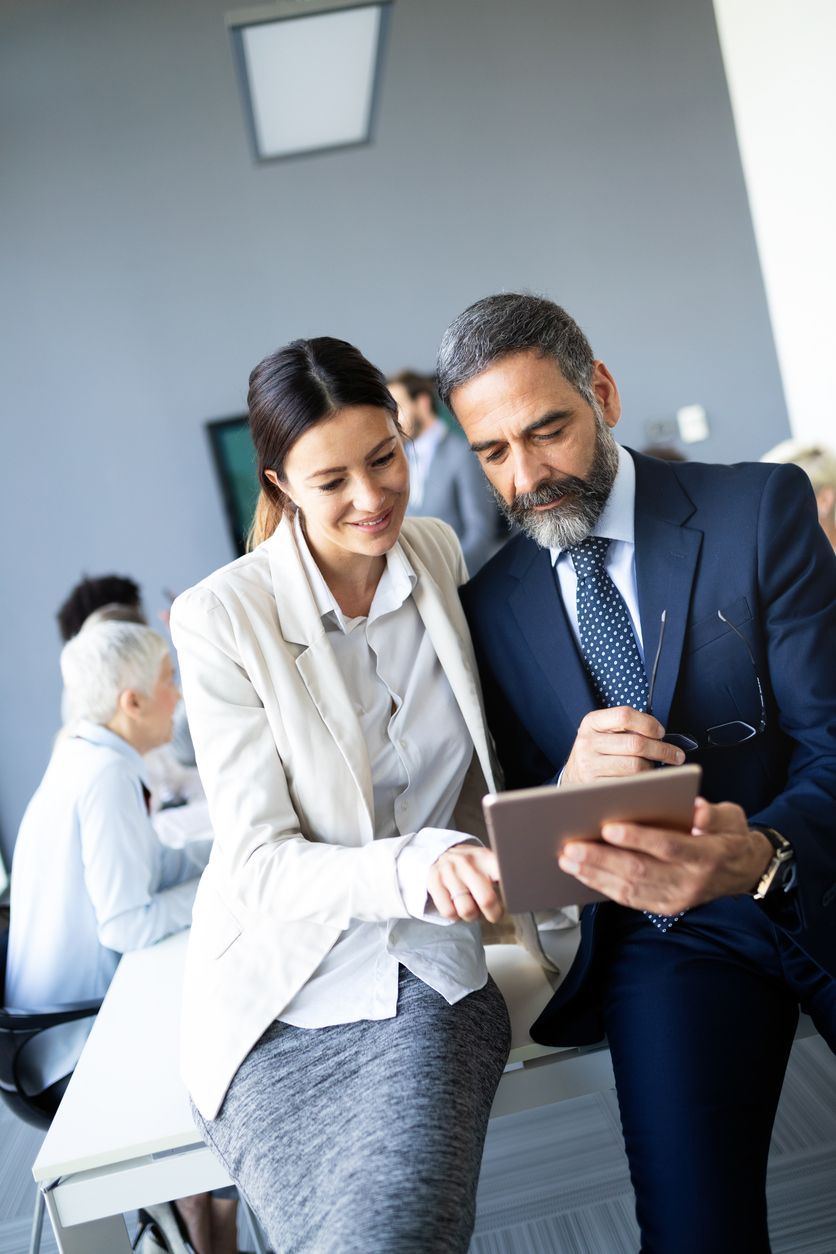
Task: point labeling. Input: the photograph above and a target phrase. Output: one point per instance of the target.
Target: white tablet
(527, 828)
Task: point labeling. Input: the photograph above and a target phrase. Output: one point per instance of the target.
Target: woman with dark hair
(342, 1041)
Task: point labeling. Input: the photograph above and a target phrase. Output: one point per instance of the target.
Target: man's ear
(606, 393)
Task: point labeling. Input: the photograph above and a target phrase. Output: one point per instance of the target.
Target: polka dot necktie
(610, 652)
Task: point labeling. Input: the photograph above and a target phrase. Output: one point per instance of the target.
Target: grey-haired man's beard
(584, 500)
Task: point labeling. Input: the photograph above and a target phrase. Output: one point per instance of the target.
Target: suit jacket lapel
(300, 623)
(666, 563)
(538, 608)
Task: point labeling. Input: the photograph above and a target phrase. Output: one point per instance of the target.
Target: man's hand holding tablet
(649, 867)
(528, 829)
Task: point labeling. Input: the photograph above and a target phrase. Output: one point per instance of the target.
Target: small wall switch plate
(660, 430)
(693, 424)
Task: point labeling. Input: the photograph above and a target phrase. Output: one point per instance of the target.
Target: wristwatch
(776, 876)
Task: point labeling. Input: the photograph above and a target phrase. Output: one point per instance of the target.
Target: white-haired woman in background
(819, 464)
(90, 878)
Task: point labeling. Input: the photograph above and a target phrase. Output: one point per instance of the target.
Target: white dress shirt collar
(396, 583)
(617, 521)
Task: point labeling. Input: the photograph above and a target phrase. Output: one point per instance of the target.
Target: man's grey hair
(513, 322)
(104, 660)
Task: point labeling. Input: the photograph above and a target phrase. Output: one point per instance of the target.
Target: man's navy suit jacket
(742, 539)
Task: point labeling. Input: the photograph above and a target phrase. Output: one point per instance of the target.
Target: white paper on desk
(179, 826)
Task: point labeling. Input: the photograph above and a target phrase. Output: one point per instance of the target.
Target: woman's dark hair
(293, 388)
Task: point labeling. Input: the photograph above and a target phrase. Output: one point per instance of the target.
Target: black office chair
(17, 1028)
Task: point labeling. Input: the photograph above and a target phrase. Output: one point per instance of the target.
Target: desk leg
(37, 1223)
(256, 1235)
(101, 1236)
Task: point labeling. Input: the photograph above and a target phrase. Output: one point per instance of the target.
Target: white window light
(309, 73)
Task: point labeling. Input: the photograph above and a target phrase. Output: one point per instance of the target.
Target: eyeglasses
(723, 735)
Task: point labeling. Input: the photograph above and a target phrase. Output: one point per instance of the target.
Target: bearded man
(717, 582)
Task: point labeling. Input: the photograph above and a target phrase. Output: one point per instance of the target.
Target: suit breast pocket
(712, 627)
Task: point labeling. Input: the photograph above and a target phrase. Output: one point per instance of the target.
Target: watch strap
(779, 868)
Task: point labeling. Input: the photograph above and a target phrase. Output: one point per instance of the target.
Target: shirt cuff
(413, 867)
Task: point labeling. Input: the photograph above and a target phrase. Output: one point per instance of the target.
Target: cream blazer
(284, 764)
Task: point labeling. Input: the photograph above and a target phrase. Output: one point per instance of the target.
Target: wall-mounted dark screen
(235, 464)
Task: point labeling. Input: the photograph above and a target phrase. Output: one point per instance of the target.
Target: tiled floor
(554, 1181)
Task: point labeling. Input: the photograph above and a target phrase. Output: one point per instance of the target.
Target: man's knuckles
(668, 848)
(637, 870)
(629, 766)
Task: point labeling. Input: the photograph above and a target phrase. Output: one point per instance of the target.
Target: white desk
(124, 1137)
(177, 826)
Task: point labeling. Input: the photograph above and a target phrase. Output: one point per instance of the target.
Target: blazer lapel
(538, 608)
(666, 563)
(300, 623)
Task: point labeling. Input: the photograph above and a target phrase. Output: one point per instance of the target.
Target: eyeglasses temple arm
(746, 646)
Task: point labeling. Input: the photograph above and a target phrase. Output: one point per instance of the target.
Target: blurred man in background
(444, 477)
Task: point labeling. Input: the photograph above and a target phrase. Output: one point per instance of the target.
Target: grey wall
(147, 263)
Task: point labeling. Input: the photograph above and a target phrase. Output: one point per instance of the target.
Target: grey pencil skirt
(366, 1138)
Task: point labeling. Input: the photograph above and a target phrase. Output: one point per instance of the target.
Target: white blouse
(90, 881)
(419, 751)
